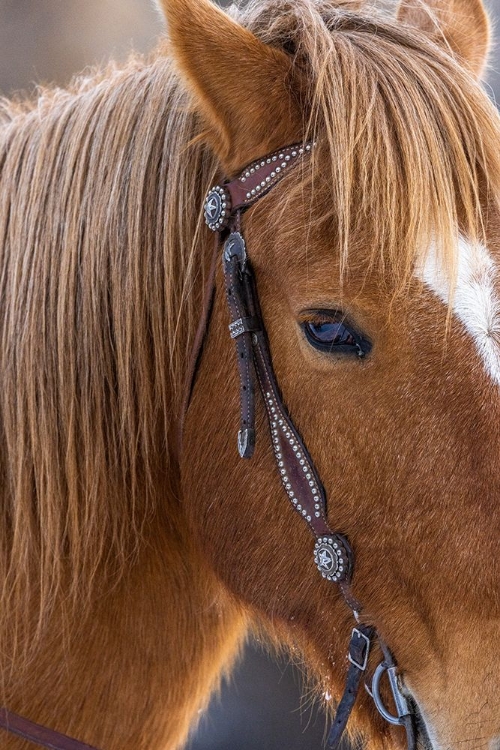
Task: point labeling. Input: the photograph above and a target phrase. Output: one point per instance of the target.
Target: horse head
(386, 236)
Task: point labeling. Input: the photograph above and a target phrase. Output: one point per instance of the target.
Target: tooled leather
(300, 480)
(35, 733)
(262, 170)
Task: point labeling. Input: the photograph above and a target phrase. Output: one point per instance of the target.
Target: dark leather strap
(243, 323)
(260, 176)
(298, 474)
(359, 649)
(37, 734)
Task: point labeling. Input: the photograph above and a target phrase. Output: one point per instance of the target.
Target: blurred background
(48, 41)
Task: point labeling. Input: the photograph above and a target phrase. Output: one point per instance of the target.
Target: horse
(137, 548)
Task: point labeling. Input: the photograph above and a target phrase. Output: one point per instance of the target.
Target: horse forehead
(475, 298)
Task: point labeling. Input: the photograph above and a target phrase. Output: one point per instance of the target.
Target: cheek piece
(333, 555)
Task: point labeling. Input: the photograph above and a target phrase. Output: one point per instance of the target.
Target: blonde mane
(100, 242)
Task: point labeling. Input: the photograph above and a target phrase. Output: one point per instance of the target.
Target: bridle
(333, 555)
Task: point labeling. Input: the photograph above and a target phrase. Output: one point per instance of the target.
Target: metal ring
(399, 699)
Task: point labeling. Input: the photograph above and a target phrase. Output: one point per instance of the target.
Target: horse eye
(329, 332)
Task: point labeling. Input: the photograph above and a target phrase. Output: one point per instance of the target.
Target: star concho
(329, 558)
(217, 208)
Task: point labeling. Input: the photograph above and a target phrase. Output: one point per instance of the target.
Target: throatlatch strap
(359, 649)
(41, 736)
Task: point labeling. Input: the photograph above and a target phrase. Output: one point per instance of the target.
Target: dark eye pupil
(331, 333)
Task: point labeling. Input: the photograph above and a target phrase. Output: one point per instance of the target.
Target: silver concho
(217, 208)
(329, 557)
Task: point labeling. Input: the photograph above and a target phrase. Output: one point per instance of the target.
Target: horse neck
(101, 270)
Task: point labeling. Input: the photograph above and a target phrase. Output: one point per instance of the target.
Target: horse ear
(243, 87)
(463, 25)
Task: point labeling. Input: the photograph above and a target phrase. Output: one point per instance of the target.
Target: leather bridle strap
(332, 553)
(300, 479)
(41, 736)
(359, 650)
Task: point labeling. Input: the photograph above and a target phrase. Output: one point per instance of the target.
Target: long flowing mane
(100, 273)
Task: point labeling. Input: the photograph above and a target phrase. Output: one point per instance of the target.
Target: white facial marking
(475, 302)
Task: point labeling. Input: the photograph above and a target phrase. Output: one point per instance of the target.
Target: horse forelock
(407, 156)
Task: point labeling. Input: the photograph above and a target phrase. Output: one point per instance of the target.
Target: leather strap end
(246, 442)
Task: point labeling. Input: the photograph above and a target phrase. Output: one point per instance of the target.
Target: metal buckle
(361, 667)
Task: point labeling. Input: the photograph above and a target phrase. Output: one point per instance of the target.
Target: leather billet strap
(359, 650)
(38, 735)
(243, 325)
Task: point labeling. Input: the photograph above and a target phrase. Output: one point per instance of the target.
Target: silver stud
(304, 468)
(317, 514)
(301, 150)
(282, 156)
(247, 174)
(311, 484)
(275, 158)
(273, 174)
(257, 166)
(252, 171)
(243, 179)
(263, 164)
(278, 169)
(315, 492)
(257, 188)
(299, 507)
(283, 165)
(288, 157)
(249, 195)
(308, 147)
(268, 179)
(294, 153)
(268, 161)
(253, 192)
(308, 518)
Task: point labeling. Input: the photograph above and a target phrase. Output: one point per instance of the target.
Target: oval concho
(217, 208)
(330, 558)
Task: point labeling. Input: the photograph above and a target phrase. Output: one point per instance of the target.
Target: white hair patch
(475, 301)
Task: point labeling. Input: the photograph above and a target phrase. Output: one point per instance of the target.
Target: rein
(333, 554)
